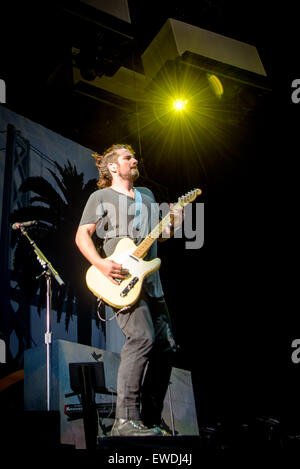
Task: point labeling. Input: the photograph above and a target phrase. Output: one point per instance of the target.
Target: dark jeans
(146, 360)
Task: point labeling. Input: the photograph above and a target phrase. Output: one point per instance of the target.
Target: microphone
(18, 225)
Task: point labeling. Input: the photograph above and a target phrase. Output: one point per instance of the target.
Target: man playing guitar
(147, 354)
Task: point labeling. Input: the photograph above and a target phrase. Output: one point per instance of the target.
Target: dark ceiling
(36, 63)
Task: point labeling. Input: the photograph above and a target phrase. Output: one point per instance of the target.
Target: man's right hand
(112, 270)
(108, 267)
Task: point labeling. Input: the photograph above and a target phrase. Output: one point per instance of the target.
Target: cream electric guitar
(127, 292)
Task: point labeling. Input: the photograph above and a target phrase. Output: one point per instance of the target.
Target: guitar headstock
(189, 197)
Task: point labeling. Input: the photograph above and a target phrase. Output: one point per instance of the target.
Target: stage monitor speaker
(179, 407)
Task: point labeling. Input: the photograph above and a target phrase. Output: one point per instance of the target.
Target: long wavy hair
(109, 156)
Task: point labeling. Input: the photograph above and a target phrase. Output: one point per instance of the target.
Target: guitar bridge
(129, 287)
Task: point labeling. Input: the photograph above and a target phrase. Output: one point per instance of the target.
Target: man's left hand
(176, 215)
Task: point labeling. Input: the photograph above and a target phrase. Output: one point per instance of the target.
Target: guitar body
(128, 291)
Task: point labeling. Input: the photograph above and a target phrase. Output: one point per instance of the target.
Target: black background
(234, 301)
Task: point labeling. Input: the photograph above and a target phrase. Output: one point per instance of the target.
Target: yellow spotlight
(179, 104)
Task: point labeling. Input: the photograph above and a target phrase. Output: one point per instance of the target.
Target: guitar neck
(146, 244)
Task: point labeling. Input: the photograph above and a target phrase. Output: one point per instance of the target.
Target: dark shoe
(161, 427)
(124, 427)
(161, 430)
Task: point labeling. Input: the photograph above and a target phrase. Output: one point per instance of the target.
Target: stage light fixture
(179, 104)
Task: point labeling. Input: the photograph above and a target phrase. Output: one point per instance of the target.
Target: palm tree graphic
(58, 206)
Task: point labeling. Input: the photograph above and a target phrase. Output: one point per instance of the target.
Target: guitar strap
(137, 221)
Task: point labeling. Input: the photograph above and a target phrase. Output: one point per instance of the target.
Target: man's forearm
(86, 246)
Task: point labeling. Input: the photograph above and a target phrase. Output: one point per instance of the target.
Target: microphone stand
(48, 272)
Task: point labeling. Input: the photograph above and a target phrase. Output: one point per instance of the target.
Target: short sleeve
(93, 210)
